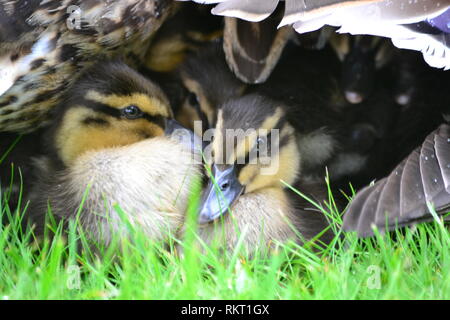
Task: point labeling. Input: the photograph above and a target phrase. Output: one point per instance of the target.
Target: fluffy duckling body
(110, 147)
(149, 180)
(269, 217)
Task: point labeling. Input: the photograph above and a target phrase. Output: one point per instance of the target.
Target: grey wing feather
(388, 200)
(351, 220)
(247, 10)
(366, 221)
(385, 18)
(442, 146)
(401, 198)
(432, 181)
(411, 191)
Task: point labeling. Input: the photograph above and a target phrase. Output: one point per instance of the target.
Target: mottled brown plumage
(43, 44)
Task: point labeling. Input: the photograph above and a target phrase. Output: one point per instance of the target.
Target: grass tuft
(407, 264)
(410, 264)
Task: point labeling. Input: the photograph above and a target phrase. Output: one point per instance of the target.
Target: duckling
(416, 168)
(184, 32)
(43, 43)
(248, 175)
(360, 64)
(111, 145)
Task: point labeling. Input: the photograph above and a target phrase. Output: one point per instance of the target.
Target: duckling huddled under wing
(111, 145)
(249, 176)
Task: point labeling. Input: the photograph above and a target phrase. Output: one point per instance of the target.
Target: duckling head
(253, 148)
(209, 83)
(109, 106)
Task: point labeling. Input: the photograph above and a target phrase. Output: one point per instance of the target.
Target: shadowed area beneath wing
(398, 20)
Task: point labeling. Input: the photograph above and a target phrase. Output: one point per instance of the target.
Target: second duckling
(247, 176)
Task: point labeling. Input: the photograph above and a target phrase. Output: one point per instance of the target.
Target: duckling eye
(132, 112)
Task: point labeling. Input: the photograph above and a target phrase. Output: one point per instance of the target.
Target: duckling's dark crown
(113, 77)
(208, 67)
(250, 112)
(109, 78)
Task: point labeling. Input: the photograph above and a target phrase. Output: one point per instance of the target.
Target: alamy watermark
(74, 19)
(374, 279)
(73, 278)
(259, 147)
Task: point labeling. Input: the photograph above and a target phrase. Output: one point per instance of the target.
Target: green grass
(413, 266)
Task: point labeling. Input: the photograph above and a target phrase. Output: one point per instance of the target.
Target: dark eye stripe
(239, 167)
(116, 113)
(158, 120)
(101, 107)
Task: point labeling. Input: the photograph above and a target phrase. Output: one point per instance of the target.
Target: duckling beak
(186, 137)
(171, 127)
(222, 191)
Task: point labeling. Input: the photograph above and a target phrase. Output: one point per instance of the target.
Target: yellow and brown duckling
(314, 133)
(110, 145)
(248, 176)
(43, 43)
(186, 31)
